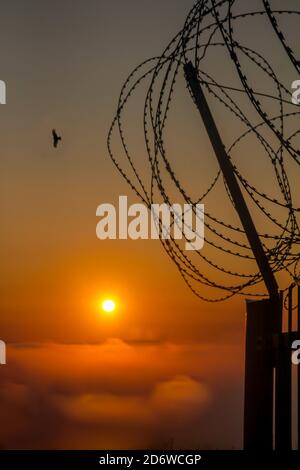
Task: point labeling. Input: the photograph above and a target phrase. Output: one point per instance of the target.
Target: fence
(269, 390)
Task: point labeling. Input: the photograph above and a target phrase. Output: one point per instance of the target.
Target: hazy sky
(64, 67)
(71, 371)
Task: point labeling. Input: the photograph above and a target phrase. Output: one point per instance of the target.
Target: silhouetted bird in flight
(56, 138)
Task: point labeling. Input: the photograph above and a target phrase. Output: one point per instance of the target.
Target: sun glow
(108, 306)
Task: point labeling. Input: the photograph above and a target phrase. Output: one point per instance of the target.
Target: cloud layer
(120, 395)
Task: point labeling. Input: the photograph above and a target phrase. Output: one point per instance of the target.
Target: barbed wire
(211, 31)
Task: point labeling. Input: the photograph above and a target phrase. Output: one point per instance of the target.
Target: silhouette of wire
(212, 29)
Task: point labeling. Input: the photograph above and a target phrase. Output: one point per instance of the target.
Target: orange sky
(165, 365)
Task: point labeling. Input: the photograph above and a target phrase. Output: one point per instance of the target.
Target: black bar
(290, 309)
(91, 459)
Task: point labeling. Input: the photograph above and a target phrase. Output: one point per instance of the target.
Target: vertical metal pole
(232, 183)
(258, 405)
(283, 395)
(262, 317)
(290, 310)
(283, 418)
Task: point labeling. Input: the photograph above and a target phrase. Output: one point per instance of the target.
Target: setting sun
(108, 306)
